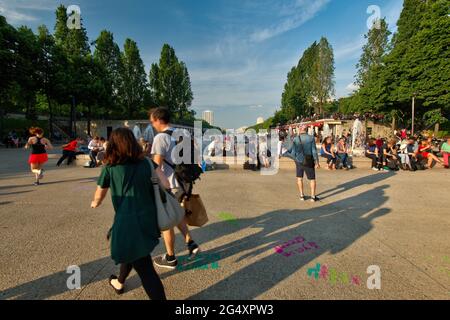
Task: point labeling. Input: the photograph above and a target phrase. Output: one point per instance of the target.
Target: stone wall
(374, 129)
(100, 127)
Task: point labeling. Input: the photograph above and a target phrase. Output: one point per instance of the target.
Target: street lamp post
(413, 112)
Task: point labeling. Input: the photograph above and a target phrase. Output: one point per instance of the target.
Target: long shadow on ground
(333, 227)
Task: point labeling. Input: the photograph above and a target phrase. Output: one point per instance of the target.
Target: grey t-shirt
(163, 145)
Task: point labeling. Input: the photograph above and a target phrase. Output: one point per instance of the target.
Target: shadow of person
(365, 180)
(54, 284)
(333, 227)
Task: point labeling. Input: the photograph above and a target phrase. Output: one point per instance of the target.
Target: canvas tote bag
(169, 211)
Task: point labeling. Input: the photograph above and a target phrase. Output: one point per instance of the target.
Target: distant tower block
(208, 116)
(260, 120)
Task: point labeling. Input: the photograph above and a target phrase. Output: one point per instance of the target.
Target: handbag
(168, 209)
(195, 211)
(308, 160)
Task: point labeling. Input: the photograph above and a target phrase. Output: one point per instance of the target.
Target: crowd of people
(407, 153)
(340, 116)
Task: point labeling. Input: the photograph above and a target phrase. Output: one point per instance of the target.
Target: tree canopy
(64, 74)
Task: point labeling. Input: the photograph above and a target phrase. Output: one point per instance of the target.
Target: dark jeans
(343, 159)
(93, 156)
(150, 280)
(330, 158)
(375, 161)
(69, 155)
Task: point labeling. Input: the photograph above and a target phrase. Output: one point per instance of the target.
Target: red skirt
(424, 154)
(38, 158)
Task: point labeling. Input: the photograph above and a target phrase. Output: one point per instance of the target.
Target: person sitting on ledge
(445, 150)
(372, 153)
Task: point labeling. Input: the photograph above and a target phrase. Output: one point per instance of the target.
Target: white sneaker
(375, 169)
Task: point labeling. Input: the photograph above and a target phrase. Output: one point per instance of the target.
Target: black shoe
(315, 199)
(163, 262)
(37, 183)
(193, 249)
(119, 292)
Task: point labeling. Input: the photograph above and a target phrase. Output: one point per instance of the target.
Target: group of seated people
(409, 154)
(13, 140)
(97, 149)
(337, 156)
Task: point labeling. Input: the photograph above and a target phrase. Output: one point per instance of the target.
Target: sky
(238, 52)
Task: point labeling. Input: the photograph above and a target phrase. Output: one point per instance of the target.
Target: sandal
(119, 292)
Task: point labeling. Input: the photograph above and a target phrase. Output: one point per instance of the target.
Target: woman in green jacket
(135, 231)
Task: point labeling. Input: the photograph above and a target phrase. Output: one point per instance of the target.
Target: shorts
(310, 172)
(38, 158)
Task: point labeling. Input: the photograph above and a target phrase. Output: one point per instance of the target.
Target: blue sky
(238, 52)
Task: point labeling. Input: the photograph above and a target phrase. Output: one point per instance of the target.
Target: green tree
(28, 52)
(134, 80)
(374, 50)
(8, 39)
(75, 45)
(52, 73)
(170, 83)
(107, 55)
(323, 74)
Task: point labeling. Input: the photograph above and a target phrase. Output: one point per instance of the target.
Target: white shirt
(93, 145)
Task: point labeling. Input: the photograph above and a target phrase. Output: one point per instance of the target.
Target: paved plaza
(397, 221)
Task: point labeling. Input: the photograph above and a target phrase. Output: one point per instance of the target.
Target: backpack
(186, 173)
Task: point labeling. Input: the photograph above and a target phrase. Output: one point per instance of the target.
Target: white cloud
(350, 50)
(295, 15)
(14, 17)
(22, 11)
(259, 106)
(352, 87)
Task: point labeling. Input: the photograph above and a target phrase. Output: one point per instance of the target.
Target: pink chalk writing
(299, 243)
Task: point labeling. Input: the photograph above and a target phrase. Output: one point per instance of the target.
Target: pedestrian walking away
(134, 234)
(39, 146)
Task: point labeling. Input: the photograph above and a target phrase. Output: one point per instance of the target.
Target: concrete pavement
(399, 222)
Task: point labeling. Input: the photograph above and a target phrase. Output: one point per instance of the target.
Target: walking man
(304, 153)
(162, 148)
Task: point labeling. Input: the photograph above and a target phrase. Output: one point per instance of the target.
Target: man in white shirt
(162, 147)
(94, 148)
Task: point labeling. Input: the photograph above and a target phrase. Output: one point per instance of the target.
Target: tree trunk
(1, 121)
(89, 120)
(436, 129)
(394, 124)
(50, 111)
(72, 108)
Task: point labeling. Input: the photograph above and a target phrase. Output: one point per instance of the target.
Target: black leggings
(375, 162)
(69, 155)
(150, 280)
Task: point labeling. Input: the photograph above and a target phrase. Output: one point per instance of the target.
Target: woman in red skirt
(38, 157)
(425, 150)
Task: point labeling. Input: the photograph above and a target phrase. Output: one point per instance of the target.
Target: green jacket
(135, 230)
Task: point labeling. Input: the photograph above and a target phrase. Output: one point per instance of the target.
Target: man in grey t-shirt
(163, 144)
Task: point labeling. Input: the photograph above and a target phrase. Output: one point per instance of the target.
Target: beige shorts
(178, 192)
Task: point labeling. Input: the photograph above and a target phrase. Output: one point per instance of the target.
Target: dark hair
(161, 113)
(122, 148)
(34, 131)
